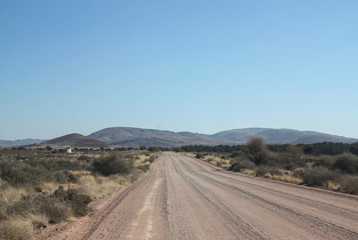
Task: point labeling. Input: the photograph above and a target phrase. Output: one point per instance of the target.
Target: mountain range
(19, 142)
(136, 137)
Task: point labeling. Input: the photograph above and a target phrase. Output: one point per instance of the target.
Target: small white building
(69, 150)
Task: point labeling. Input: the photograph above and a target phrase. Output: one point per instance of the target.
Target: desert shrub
(346, 163)
(317, 176)
(70, 165)
(59, 177)
(276, 160)
(144, 167)
(55, 210)
(354, 148)
(152, 158)
(325, 161)
(47, 164)
(18, 173)
(111, 165)
(2, 210)
(84, 158)
(257, 149)
(239, 165)
(199, 155)
(53, 165)
(263, 170)
(237, 154)
(350, 184)
(16, 230)
(78, 201)
(57, 207)
(285, 161)
(153, 149)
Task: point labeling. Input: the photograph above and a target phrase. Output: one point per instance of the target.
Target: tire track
(324, 226)
(235, 223)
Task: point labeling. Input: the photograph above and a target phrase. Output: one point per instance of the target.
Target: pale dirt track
(184, 198)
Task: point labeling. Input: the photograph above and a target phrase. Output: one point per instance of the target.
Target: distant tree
(257, 149)
(354, 148)
(49, 148)
(153, 149)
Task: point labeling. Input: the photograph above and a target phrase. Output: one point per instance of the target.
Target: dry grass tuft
(21, 227)
(333, 185)
(249, 171)
(99, 186)
(11, 194)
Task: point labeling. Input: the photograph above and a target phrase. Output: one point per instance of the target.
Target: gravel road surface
(185, 198)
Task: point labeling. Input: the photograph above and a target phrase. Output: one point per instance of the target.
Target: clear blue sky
(202, 66)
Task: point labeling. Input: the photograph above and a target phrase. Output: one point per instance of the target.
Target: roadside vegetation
(329, 165)
(38, 188)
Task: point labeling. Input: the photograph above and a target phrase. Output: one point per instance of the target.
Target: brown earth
(184, 198)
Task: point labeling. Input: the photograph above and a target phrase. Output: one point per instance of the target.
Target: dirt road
(184, 198)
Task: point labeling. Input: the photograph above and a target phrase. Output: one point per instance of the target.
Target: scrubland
(326, 165)
(39, 188)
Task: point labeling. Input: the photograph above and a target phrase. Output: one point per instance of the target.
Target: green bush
(111, 165)
(239, 165)
(263, 170)
(257, 149)
(354, 148)
(58, 206)
(238, 154)
(199, 155)
(18, 173)
(317, 176)
(346, 163)
(325, 161)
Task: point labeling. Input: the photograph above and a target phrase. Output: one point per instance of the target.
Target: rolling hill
(136, 137)
(280, 136)
(71, 140)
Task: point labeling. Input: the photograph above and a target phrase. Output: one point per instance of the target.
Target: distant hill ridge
(71, 140)
(20, 142)
(135, 137)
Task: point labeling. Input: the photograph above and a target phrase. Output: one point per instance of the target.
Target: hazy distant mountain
(280, 136)
(8, 143)
(71, 140)
(135, 137)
